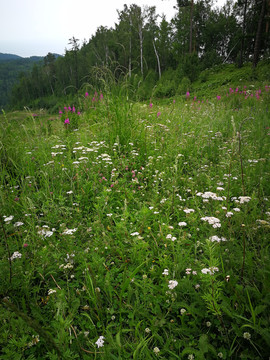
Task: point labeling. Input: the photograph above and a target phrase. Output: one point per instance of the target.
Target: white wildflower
(244, 199)
(247, 336)
(51, 291)
(215, 222)
(16, 255)
(18, 223)
(8, 219)
(100, 341)
(188, 211)
(172, 284)
(217, 239)
(69, 231)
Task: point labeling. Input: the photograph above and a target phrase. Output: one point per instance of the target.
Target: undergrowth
(137, 230)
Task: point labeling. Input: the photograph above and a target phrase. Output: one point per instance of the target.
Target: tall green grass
(147, 225)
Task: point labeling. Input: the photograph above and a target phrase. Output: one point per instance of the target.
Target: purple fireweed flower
(150, 105)
(187, 94)
(158, 114)
(60, 112)
(101, 96)
(86, 94)
(79, 113)
(73, 109)
(218, 97)
(67, 121)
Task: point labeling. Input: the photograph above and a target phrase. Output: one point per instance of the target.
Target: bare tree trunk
(258, 39)
(158, 62)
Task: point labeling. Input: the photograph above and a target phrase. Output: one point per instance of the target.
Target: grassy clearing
(137, 230)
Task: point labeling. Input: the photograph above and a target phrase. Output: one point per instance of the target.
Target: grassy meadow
(137, 230)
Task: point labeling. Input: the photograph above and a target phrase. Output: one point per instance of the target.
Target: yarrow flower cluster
(188, 211)
(69, 231)
(169, 236)
(210, 271)
(15, 255)
(217, 239)
(100, 341)
(215, 222)
(188, 271)
(172, 284)
(8, 219)
(165, 272)
(210, 195)
(44, 232)
(51, 291)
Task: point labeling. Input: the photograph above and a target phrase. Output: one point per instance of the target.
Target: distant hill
(11, 66)
(4, 57)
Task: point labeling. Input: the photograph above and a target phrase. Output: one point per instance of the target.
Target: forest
(12, 67)
(152, 56)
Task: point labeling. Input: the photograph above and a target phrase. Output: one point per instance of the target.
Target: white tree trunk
(158, 62)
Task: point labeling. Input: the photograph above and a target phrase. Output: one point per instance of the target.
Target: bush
(166, 86)
(184, 86)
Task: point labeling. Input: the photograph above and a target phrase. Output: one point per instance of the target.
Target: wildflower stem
(240, 154)
(9, 255)
(244, 258)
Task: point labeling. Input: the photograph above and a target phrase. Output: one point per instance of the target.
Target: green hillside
(11, 68)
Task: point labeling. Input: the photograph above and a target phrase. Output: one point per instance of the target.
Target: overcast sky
(36, 27)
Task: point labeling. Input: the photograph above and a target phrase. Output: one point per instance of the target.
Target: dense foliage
(138, 230)
(155, 58)
(12, 69)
